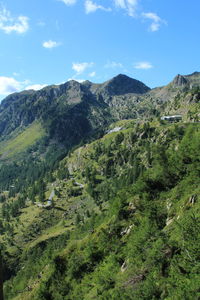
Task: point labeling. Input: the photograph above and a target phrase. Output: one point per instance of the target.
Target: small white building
(173, 118)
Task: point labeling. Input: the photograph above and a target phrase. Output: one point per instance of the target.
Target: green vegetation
(22, 141)
(125, 223)
(92, 211)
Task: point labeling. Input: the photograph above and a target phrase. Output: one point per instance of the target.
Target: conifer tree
(1, 278)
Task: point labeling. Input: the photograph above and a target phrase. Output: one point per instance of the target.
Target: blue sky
(51, 41)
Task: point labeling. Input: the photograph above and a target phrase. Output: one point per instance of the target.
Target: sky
(46, 42)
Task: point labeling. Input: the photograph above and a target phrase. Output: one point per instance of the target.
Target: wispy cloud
(132, 9)
(68, 2)
(143, 65)
(50, 44)
(113, 65)
(35, 87)
(78, 80)
(91, 7)
(130, 6)
(10, 24)
(92, 74)
(16, 74)
(9, 85)
(156, 21)
(79, 68)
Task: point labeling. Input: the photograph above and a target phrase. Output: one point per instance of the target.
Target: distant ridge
(190, 79)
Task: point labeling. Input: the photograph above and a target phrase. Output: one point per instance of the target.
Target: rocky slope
(67, 109)
(21, 109)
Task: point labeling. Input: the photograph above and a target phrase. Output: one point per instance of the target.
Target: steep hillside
(67, 109)
(94, 210)
(37, 128)
(181, 96)
(124, 223)
(72, 98)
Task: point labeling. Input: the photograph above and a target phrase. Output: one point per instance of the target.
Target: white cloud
(113, 65)
(143, 65)
(9, 85)
(35, 87)
(8, 24)
(129, 5)
(156, 21)
(154, 27)
(16, 74)
(91, 7)
(92, 74)
(131, 8)
(79, 68)
(152, 16)
(120, 3)
(68, 2)
(50, 44)
(78, 80)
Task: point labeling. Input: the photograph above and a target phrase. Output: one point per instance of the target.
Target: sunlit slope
(22, 141)
(124, 223)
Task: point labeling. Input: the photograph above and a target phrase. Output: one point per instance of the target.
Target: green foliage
(141, 240)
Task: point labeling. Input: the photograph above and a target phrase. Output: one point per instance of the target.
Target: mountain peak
(87, 83)
(121, 77)
(179, 81)
(122, 84)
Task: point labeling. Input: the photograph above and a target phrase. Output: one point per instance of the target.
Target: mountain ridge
(118, 78)
(87, 102)
(61, 108)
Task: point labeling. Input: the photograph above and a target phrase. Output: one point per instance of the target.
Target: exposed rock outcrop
(179, 81)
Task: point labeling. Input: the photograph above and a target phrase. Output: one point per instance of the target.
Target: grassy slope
(159, 254)
(22, 141)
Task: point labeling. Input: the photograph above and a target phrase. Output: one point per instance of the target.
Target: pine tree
(1, 278)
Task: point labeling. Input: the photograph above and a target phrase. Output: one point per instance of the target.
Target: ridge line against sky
(51, 42)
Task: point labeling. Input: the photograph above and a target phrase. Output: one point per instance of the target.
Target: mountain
(71, 111)
(179, 81)
(21, 109)
(99, 198)
(119, 85)
(180, 96)
(44, 125)
(189, 81)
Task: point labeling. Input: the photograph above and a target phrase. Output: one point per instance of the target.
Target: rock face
(118, 86)
(123, 84)
(68, 110)
(73, 111)
(179, 81)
